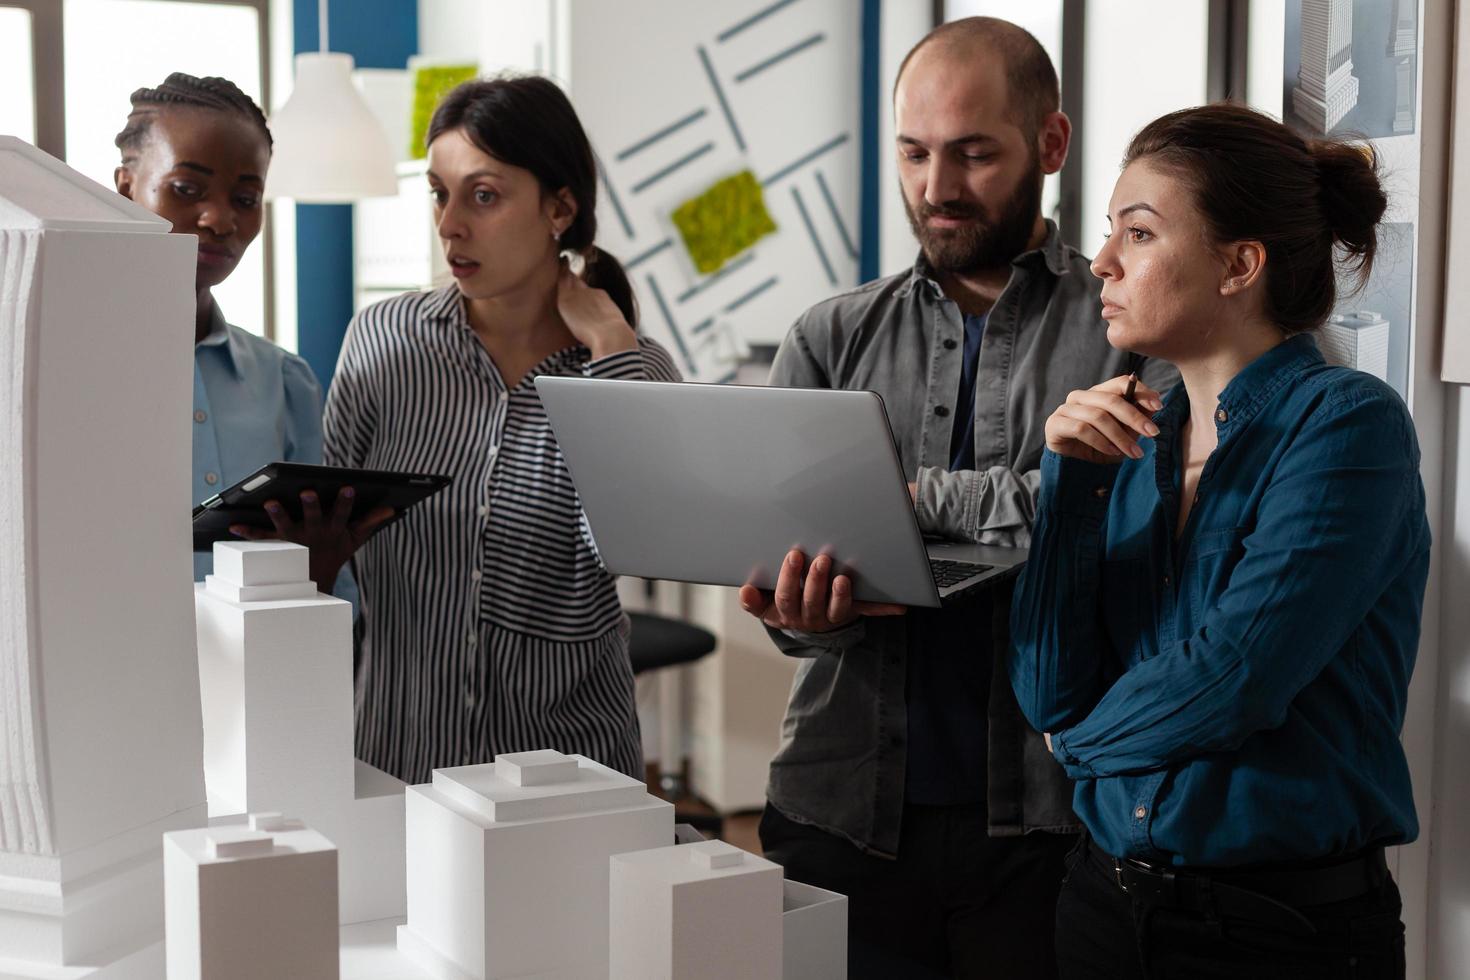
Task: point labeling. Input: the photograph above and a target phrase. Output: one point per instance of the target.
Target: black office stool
(659, 642)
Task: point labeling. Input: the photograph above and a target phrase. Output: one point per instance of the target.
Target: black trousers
(1102, 933)
(955, 903)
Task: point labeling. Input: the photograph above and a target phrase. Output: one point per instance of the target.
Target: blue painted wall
(378, 34)
(872, 122)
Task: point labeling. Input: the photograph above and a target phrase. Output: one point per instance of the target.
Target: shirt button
(470, 639)
(1221, 415)
(950, 345)
(941, 410)
(484, 509)
(475, 575)
(199, 415)
(211, 478)
(1141, 812)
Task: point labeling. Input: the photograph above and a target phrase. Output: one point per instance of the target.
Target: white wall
(637, 67)
(1128, 84)
(1438, 738)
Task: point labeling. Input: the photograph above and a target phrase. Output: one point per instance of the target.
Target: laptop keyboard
(947, 573)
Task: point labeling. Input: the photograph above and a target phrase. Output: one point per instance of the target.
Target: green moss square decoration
(723, 221)
(430, 84)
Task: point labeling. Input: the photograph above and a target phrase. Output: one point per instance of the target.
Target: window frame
(48, 69)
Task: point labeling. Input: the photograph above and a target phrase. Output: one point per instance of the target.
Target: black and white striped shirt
(490, 624)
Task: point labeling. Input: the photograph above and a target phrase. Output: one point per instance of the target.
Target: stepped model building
(252, 901)
(275, 676)
(813, 933)
(710, 911)
(99, 699)
(705, 911)
(508, 865)
(1358, 340)
(1326, 89)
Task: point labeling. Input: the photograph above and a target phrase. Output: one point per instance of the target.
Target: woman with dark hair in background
(195, 152)
(491, 626)
(1219, 618)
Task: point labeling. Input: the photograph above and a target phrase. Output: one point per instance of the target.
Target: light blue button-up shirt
(254, 403)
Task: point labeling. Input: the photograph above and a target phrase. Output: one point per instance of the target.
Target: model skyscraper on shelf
(99, 745)
(1326, 89)
(275, 674)
(508, 865)
(1359, 339)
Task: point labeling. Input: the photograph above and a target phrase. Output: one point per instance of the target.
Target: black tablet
(244, 503)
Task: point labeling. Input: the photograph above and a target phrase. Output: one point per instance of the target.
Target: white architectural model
(705, 911)
(508, 865)
(1357, 340)
(710, 911)
(1327, 89)
(249, 902)
(814, 933)
(275, 674)
(99, 698)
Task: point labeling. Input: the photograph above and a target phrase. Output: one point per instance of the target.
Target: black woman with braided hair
(195, 151)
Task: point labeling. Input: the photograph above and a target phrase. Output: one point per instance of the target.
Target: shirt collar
(1263, 377)
(444, 304)
(1051, 251)
(220, 336)
(1243, 397)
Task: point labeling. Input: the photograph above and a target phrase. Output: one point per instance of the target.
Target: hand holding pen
(1135, 364)
(1103, 424)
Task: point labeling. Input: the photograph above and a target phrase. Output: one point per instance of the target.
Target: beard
(984, 243)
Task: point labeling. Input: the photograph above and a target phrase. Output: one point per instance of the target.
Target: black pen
(1135, 364)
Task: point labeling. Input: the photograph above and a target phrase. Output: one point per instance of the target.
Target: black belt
(1270, 895)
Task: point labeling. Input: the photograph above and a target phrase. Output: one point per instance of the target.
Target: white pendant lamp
(329, 147)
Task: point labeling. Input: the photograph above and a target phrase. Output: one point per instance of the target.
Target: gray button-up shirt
(843, 751)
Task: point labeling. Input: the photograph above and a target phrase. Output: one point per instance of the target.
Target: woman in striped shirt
(490, 625)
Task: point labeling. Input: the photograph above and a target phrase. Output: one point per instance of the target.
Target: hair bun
(1351, 194)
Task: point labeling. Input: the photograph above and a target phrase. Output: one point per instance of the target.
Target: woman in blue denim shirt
(1220, 615)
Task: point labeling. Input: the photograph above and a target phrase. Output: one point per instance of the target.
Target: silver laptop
(715, 483)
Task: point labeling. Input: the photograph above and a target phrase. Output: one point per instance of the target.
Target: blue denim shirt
(1235, 695)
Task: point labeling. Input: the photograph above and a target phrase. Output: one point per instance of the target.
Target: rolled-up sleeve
(1333, 529)
(1061, 659)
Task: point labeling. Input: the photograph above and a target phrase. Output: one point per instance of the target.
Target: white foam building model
(1326, 89)
(99, 701)
(253, 901)
(710, 911)
(1358, 340)
(508, 865)
(814, 933)
(275, 679)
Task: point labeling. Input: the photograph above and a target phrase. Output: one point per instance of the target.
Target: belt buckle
(1118, 875)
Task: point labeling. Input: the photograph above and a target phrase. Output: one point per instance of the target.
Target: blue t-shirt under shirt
(949, 660)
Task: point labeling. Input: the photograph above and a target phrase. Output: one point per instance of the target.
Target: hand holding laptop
(815, 605)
